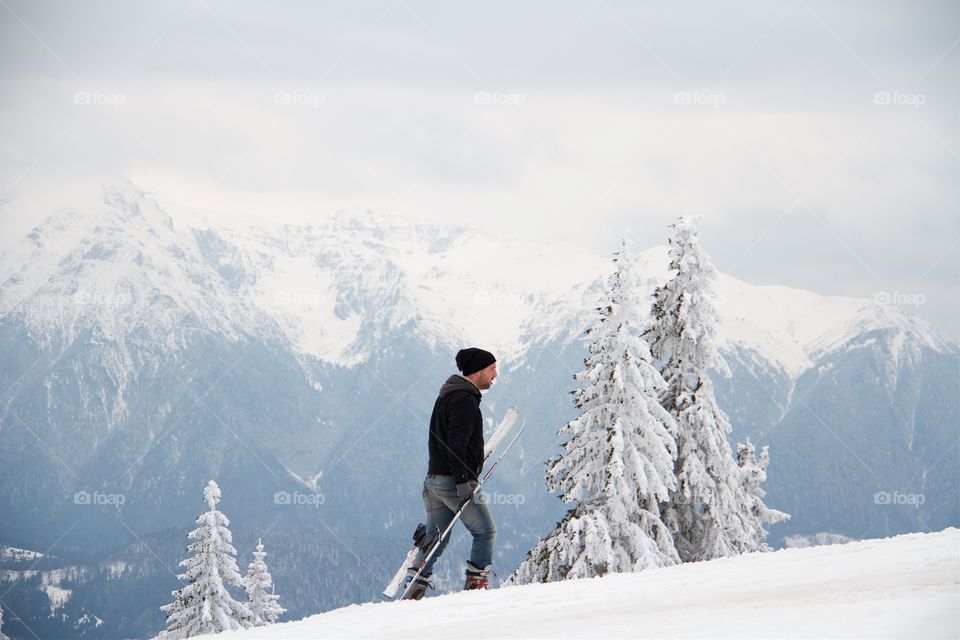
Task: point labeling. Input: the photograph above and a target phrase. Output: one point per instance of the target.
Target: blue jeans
(441, 502)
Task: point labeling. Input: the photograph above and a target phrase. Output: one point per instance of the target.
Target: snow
(50, 581)
(309, 483)
(15, 553)
(461, 285)
(87, 619)
(300, 297)
(874, 316)
(476, 288)
(333, 288)
(58, 596)
(780, 322)
(902, 587)
(488, 288)
(815, 540)
(10, 575)
(116, 568)
(106, 270)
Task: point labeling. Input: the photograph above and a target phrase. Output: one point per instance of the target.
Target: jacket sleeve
(461, 421)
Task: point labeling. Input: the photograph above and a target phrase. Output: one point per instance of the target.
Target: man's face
(485, 377)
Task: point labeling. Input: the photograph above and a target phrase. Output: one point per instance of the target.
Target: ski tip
(523, 423)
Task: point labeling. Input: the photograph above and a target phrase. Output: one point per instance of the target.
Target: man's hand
(465, 490)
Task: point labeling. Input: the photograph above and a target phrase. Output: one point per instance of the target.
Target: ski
(435, 544)
(499, 433)
(419, 540)
(506, 424)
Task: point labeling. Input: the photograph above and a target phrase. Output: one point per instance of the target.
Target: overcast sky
(818, 140)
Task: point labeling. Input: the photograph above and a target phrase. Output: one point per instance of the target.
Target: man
(456, 458)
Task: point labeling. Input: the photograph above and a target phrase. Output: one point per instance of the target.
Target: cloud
(553, 121)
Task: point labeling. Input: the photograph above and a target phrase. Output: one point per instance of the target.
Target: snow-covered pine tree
(617, 462)
(703, 507)
(708, 514)
(204, 604)
(753, 475)
(262, 602)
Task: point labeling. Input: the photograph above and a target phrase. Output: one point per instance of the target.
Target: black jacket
(456, 431)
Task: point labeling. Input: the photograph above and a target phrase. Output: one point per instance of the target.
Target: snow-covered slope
(902, 587)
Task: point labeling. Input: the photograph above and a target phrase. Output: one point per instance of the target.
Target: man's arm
(461, 421)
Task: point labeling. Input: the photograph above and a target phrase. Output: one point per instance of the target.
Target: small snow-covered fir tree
(708, 512)
(753, 475)
(205, 605)
(617, 463)
(262, 602)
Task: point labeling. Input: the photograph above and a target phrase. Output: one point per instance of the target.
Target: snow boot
(419, 588)
(477, 578)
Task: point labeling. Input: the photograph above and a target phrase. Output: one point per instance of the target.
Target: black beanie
(471, 360)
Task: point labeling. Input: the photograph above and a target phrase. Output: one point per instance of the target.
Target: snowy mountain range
(147, 350)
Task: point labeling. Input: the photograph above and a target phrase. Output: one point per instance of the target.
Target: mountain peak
(338, 287)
